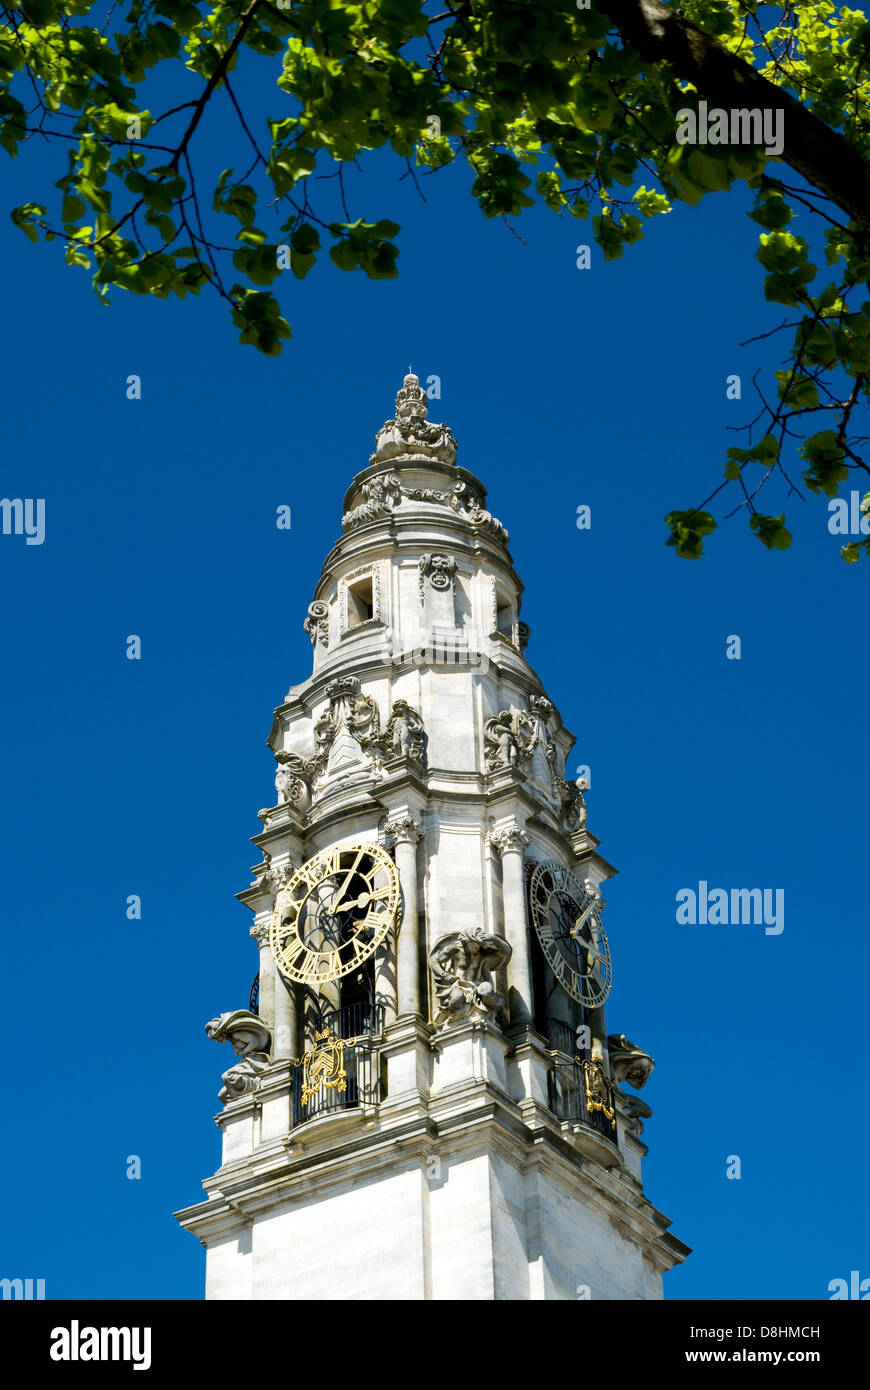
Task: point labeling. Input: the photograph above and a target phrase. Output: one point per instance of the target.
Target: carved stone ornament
(251, 1040)
(635, 1111)
(628, 1062)
(501, 746)
(380, 496)
(522, 633)
(293, 779)
(404, 736)
(317, 623)
(405, 828)
(410, 435)
(508, 838)
(573, 803)
(274, 879)
(462, 964)
(438, 569)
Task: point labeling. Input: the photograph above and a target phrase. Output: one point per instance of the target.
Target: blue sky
(564, 387)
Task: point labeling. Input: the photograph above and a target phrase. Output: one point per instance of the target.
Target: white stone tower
(427, 1104)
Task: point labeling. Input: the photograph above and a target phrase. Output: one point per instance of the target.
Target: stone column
(406, 834)
(510, 842)
(285, 1027)
(268, 970)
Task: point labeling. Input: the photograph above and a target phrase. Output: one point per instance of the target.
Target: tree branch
(659, 34)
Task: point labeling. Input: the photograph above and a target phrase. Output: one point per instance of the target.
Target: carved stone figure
(251, 1040)
(462, 964)
(628, 1062)
(635, 1111)
(293, 780)
(404, 736)
(501, 748)
(573, 802)
(317, 623)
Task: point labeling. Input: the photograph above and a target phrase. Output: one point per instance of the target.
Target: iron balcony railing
(341, 1067)
(578, 1088)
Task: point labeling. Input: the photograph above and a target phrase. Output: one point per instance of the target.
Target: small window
(504, 615)
(360, 601)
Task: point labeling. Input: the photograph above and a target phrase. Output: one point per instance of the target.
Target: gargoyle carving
(251, 1040)
(628, 1062)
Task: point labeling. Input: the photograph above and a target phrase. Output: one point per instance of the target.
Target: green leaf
(688, 530)
(771, 531)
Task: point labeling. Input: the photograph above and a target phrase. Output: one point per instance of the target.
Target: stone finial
(411, 399)
(410, 435)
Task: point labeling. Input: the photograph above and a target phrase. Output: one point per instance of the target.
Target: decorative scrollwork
(317, 623)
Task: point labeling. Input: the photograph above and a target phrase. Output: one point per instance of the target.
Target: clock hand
(581, 921)
(350, 873)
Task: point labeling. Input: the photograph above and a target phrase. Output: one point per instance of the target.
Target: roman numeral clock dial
(567, 920)
(334, 913)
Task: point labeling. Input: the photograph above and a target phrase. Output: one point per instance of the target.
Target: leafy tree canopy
(544, 100)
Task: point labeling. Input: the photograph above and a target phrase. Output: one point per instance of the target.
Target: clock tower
(425, 1101)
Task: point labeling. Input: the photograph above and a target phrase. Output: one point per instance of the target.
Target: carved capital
(260, 931)
(404, 829)
(508, 838)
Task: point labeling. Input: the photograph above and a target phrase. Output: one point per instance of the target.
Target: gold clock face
(568, 923)
(334, 913)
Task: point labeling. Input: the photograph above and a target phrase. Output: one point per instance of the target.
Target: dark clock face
(567, 920)
(334, 913)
